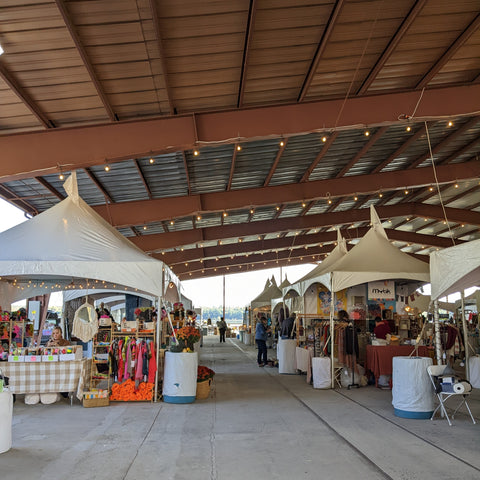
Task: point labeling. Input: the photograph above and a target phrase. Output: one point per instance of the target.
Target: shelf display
(16, 331)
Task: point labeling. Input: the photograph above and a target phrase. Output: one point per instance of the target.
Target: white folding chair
(434, 372)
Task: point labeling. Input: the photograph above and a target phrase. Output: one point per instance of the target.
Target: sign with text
(384, 289)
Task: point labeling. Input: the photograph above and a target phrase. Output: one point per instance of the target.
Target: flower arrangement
(204, 373)
(188, 336)
(127, 391)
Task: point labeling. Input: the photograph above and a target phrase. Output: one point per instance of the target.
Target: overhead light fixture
(282, 143)
(366, 133)
(450, 123)
(196, 153)
(152, 160)
(324, 138)
(239, 147)
(409, 128)
(107, 167)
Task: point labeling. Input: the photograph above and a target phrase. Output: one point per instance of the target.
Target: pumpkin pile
(126, 392)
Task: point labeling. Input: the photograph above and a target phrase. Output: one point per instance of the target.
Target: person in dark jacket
(287, 326)
(261, 334)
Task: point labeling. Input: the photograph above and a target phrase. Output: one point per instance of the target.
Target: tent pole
(332, 335)
(157, 340)
(438, 346)
(465, 338)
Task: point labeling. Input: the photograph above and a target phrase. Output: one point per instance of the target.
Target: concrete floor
(256, 424)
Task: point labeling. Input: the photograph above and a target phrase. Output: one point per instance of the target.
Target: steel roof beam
(86, 61)
(320, 155)
(24, 97)
(327, 33)
(162, 54)
(246, 50)
(107, 196)
(450, 52)
(92, 144)
(314, 239)
(275, 162)
(156, 242)
(362, 152)
(405, 25)
(52, 190)
(142, 177)
(126, 213)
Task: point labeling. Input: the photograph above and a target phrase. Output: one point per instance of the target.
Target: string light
(450, 123)
(152, 160)
(199, 217)
(196, 153)
(324, 138)
(172, 222)
(406, 191)
(225, 214)
(239, 147)
(107, 167)
(380, 194)
(366, 133)
(409, 128)
(456, 185)
(282, 143)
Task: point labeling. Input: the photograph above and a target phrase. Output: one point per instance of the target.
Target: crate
(96, 402)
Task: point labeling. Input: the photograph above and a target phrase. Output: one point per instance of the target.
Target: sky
(240, 288)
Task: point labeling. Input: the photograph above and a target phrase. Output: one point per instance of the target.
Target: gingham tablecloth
(46, 377)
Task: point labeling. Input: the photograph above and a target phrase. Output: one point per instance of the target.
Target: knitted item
(85, 324)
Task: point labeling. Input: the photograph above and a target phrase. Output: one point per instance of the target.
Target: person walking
(222, 327)
(261, 334)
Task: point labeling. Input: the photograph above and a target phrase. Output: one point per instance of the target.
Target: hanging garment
(152, 364)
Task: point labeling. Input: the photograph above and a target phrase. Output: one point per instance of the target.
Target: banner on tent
(324, 298)
(384, 289)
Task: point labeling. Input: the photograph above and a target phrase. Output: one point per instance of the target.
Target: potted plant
(204, 381)
(186, 338)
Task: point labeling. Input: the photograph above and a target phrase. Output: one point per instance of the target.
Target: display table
(47, 377)
(379, 358)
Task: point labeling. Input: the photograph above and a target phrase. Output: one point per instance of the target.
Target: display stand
(149, 334)
(100, 347)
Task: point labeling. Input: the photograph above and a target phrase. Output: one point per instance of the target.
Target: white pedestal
(180, 377)
(412, 391)
(474, 371)
(246, 338)
(286, 356)
(321, 372)
(6, 411)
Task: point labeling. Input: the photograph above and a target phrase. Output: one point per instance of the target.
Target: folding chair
(435, 373)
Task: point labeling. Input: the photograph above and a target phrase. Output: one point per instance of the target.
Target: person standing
(222, 327)
(382, 328)
(261, 333)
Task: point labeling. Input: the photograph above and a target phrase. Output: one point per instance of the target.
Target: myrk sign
(384, 289)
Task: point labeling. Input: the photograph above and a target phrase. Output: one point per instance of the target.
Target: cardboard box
(33, 358)
(49, 358)
(16, 358)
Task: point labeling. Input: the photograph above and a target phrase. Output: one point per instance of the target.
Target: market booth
(66, 247)
(261, 306)
(370, 280)
(462, 262)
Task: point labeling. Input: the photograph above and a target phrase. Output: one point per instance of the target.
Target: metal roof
(239, 133)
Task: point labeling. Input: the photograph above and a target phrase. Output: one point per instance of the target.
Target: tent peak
(71, 187)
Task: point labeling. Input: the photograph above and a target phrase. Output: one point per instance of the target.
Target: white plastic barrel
(180, 377)
(321, 372)
(6, 411)
(286, 356)
(412, 391)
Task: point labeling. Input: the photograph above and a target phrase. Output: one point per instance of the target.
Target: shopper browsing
(261, 334)
(222, 327)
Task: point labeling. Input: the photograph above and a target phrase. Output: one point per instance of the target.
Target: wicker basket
(203, 389)
(96, 402)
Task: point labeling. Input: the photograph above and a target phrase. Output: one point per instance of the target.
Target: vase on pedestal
(180, 377)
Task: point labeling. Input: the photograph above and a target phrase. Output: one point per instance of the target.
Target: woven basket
(203, 389)
(96, 402)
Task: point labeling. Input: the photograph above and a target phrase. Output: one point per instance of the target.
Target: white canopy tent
(317, 274)
(70, 245)
(372, 258)
(270, 291)
(452, 270)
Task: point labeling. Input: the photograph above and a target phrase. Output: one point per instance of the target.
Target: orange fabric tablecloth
(379, 359)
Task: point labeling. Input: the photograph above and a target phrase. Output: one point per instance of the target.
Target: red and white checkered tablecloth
(47, 377)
